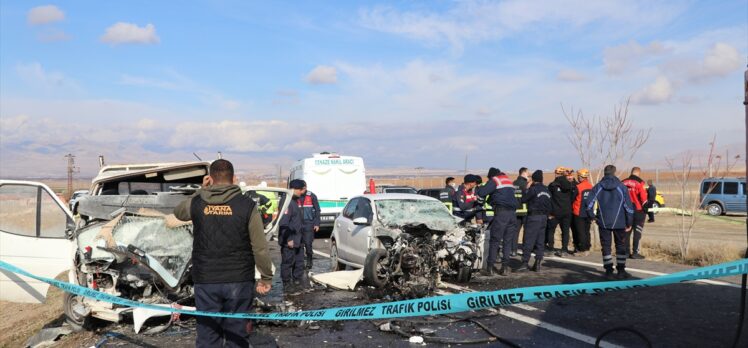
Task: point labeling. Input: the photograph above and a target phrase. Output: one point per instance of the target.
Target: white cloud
(34, 75)
(720, 60)
(44, 15)
(128, 33)
(660, 91)
(322, 74)
(570, 75)
(621, 58)
(476, 21)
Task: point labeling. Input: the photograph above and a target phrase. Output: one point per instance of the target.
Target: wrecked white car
(404, 240)
(126, 243)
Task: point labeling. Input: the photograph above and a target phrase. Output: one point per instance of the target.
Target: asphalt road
(681, 315)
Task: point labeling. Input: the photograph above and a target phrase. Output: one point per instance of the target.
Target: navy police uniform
(615, 214)
(538, 200)
(500, 190)
(310, 212)
(292, 258)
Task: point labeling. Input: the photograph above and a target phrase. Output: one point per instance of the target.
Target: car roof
(396, 196)
(725, 179)
(122, 171)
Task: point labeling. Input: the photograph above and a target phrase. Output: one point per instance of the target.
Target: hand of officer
(316, 228)
(262, 288)
(290, 244)
(628, 228)
(479, 222)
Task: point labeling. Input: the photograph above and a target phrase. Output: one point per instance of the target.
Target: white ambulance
(333, 178)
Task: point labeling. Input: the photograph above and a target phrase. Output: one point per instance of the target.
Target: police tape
(446, 304)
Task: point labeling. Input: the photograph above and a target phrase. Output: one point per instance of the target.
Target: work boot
(503, 271)
(309, 262)
(637, 256)
(523, 268)
(488, 272)
(562, 253)
(609, 276)
(536, 266)
(623, 275)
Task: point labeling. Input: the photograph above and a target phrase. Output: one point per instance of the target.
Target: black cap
(537, 176)
(297, 184)
(493, 172)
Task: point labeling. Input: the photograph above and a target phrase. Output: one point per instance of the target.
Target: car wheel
(76, 314)
(335, 265)
(375, 268)
(714, 209)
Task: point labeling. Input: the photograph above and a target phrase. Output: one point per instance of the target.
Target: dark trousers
(227, 298)
(639, 218)
(292, 264)
(520, 222)
(501, 231)
(534, 237)
(620, 236)
(550, 231)
(580, 231)
(649, 211)
(307, 238)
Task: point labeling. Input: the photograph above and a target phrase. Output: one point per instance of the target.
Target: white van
(333, 178)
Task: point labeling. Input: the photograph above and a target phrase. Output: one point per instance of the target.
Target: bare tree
(605, 140)
(691, 200)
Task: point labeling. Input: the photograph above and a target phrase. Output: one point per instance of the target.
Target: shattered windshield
(399, 212)
(168, 250)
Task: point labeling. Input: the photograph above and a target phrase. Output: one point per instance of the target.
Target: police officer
(263, 205)
(500, 192)
(538, 201)
(638, 196)
(615, 215)
(465, 203)
(562, 195)
(520, 187)
(289, 239)
(580, 222)
(309, 205)
(229, 241)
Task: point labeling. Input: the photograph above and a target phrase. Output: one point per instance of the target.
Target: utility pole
(72, 169)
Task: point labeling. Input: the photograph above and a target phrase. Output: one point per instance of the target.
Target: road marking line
(637, 270)
(321, 253)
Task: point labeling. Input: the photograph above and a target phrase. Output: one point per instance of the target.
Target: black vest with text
(221, 248)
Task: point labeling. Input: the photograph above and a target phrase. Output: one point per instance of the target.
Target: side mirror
(361, 221)
(70, 227)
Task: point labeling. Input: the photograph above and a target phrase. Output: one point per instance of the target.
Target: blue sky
(403, 84)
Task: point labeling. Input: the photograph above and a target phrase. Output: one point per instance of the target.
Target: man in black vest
(229, 241)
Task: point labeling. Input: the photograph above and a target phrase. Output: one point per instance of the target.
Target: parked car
(396, 189)
(432, 192)
(723, 195)
(73, 202)
(373, 223)
(127, 245)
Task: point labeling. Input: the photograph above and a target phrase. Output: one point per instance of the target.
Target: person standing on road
(292, 256)
(562, 195)
(651, 200)
(539, 205)
(638, 195)
(465, 203)
(520, 187)
(448, 193)
(229, 242)
(500, 192)
(614, 218)
(580, 222)
(310, 211)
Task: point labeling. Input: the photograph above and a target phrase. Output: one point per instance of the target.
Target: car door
(33, 237)
(344, 226)
(279, 200)
(731, 196)
(361, 234)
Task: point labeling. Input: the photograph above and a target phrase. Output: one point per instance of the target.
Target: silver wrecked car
(126, 243)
